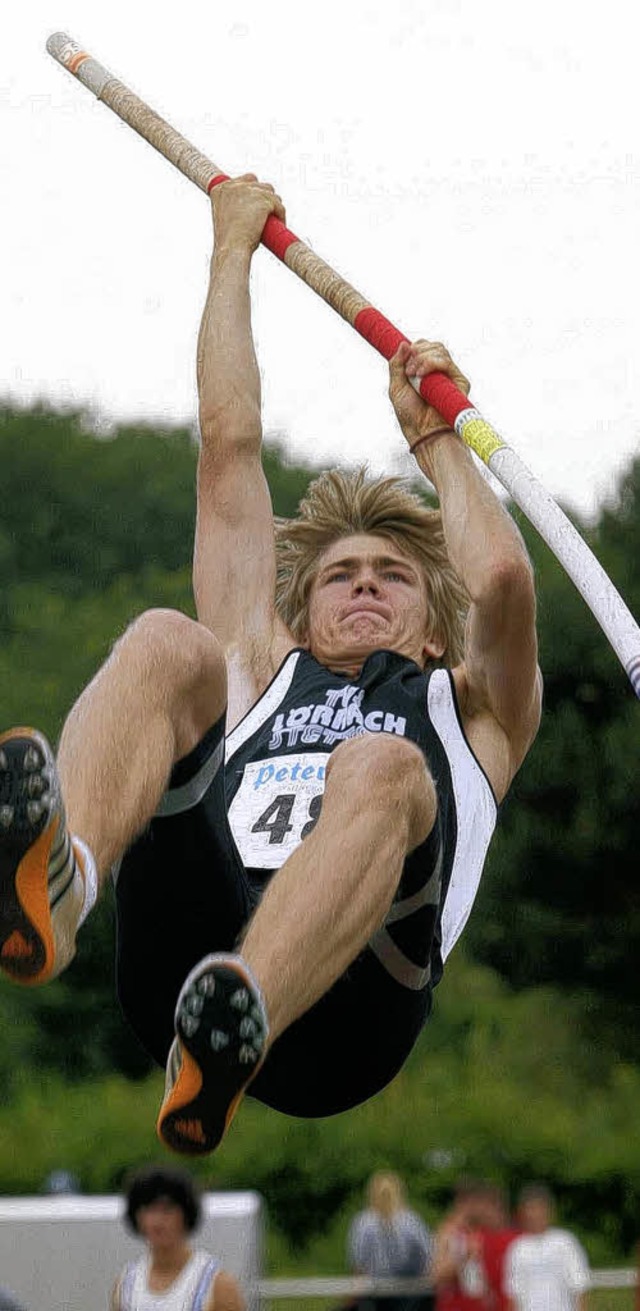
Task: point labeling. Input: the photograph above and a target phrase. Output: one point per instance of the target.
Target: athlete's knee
(384, 771)
(170, 639)
(182, 667)
(179, 657)
(377, 759)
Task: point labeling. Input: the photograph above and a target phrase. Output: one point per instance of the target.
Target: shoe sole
(27, 842)
(217, 1060)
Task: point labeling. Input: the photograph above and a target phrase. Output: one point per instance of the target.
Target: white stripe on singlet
(264, 707)
(395, 962)
(189, 794)
(475, 809)
(475, 817)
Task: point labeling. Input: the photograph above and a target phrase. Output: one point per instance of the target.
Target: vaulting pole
(540, 508)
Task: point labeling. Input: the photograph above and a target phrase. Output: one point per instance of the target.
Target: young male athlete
(298, 797)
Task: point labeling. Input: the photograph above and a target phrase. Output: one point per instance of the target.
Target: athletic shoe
(221, 1028)
(41, 879)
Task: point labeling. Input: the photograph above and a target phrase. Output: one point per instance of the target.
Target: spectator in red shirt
(457, 1277)
(494, 1236)
(470, 1249)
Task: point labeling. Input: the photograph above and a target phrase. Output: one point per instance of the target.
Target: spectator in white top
(389, 1241)
(546, 1268)
(163, 1208)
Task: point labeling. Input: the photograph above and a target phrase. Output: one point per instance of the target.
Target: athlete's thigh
(181, 892)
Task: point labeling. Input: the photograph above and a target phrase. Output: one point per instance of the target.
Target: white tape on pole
(574, 555)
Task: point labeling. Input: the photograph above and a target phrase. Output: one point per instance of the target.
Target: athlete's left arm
(499, 676)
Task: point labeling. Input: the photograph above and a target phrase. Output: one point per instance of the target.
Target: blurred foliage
(499, 1086)
(530, 1066)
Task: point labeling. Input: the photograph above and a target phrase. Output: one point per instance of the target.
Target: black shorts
(183, 892)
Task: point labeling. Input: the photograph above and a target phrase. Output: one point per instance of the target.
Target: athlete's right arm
(234, 558)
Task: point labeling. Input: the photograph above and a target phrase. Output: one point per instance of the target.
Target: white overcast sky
(471, 166)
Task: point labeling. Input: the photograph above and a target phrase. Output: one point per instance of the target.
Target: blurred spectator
(546, 1268)
(470, 1249)
(163, 1208)
(61, 1183)
(493, 1238)
(459, 1276)
(388, 1240)
(8, 1301)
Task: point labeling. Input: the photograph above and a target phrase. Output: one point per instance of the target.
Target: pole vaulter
(526, 491)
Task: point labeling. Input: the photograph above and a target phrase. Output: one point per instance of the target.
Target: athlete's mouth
(377, 611)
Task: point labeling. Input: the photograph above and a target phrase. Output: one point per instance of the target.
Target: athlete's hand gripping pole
(554, 527)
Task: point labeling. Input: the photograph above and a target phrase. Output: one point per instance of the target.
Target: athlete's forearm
(483, 542)
(228, 376)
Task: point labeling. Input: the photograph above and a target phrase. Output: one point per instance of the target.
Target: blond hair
(385, 1193)
(339, 504)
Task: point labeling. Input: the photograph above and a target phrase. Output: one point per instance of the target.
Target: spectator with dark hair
(546, 1267)
(163, 1208)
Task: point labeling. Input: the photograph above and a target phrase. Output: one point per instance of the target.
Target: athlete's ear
(434, 648)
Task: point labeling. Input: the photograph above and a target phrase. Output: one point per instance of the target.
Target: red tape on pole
(437, 389)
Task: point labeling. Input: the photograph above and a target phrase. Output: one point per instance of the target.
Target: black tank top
(276, 762)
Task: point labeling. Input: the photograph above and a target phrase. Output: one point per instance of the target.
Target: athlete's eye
(394, 576)
(339, 576)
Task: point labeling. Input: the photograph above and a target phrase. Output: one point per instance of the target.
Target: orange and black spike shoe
(41, 881)
(221, 1029)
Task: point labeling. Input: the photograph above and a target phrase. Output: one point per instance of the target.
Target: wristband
(435, 432)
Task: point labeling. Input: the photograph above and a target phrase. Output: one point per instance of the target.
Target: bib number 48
(276, 806)
(276, 819)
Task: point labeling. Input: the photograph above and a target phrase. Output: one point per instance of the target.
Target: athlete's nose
(365, 581)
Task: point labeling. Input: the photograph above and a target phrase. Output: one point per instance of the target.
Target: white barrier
(614, 1279)
(360, 1286)
(63, 1253)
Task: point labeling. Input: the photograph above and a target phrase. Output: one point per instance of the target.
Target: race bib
(277, 804)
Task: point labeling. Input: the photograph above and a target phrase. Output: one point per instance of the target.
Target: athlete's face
(368, 595)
